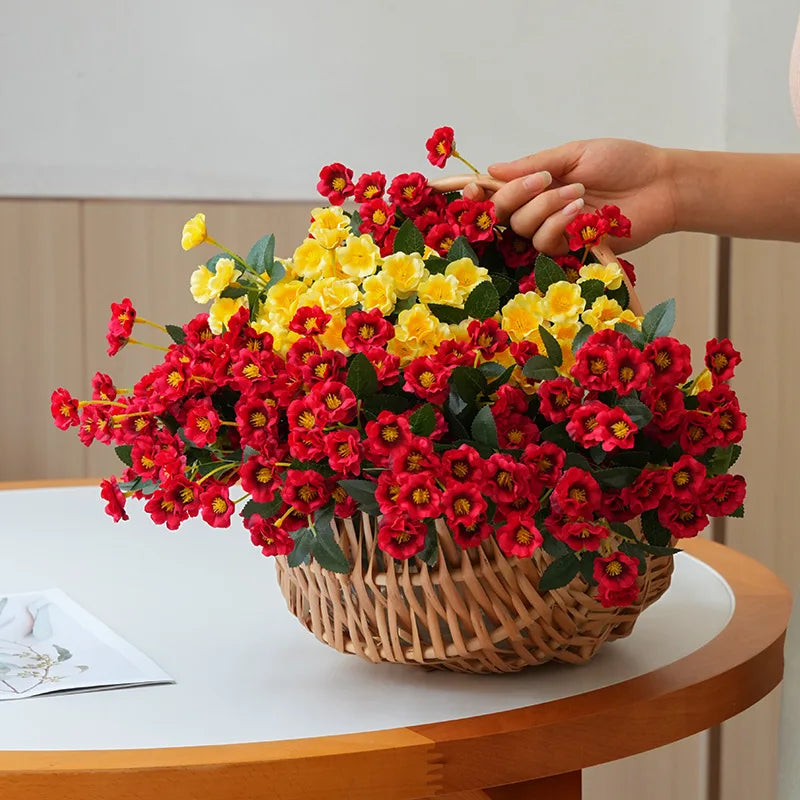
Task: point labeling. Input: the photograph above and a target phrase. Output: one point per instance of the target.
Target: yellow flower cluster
(337, 270)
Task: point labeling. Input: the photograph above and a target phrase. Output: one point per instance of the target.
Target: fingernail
(471, 188)
(539, 180)
(572, 191)
(573, 208)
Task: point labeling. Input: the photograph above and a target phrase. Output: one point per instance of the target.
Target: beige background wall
(64, 262)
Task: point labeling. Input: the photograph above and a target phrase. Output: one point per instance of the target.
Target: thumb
(558, 161)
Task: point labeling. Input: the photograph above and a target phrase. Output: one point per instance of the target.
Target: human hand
(545, 191)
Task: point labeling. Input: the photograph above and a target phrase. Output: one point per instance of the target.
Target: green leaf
(124, 454)
(623, 530)
(559, 573)
(632, 458)
(634, 334)
(552, 346)
(404, 304)
(211, 264)
(483, 301)
(621, 295)
(303, 542)
(659, 320)
(395, 403)
(449, 314)
(580, 337)
(484, 429)
(739, 512)
(576, 460)
(736, 451)
(423, 420)
(557, 434)
(504, 378)
(468, 382)
(409, 239)
(253, 301)
(233, 292)
(616, 477)
(586, 566)
(501, 283)
(430, 555)
(491, 369)
(655, 533)
(436, 265)
(176, 333)
(264, 510)
(597, 454)
(355, 223)
(591, 290)
(547, 272)
(552, 546)
(461, 248)
(639, 413)
(539, 368)
(652, 550)
(262, 254)
(723, 458)
(276, 273)
(325, 549)
(363, 492)
(361, 377)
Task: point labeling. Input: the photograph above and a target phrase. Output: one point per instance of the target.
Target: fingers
(517, 193)
(527, 219)
(550, 238)
(558, 161)
(474, 192)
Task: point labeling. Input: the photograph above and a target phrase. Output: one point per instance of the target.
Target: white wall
(161, 98)
(759, 114)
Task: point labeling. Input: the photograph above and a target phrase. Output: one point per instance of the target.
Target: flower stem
(463, 160)
(152, 324)
(147, 344)
(214, 471)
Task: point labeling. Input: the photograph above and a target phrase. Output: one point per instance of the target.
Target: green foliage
(659, 320)
(738, 512)
(355, 223)
(580, 337)
(363, 492)
(483, 301)
(461, 248)
(616, 477)
(262, 254)
(361, 377)
(559, 573)
(655, 533)
(176, 333)
(436, 265)
(423, 420)
(639, 413)
(264, 510)
(484, 429)
(539, 368)
(634, 334)
(409, 239)
(449, 314)
(547, 272)
(124, 454)
(303, 542)
(591, 290)
(552, 346)
(430, 554)
(621, 295)
(468, 382)
(501, 283)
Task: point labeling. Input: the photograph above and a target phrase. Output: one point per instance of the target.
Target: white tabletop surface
(205, 605)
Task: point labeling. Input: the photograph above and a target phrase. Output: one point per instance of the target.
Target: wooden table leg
(566, 786)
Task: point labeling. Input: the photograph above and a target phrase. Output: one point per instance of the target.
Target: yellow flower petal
(194, 232)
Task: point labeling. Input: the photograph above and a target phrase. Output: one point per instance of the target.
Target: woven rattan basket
(476, 610)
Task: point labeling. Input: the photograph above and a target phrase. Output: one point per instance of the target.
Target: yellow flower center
(409, 192)
(662, 360)
(204, 424)
(695, 433)
(370, 191)
(321, 370)
(661, 406)
(264, 475)
(484, 221)
(307, 493)
(597, 366)
(440, 149)
(686, 515)
(339, 183)
(462, 506)
(576, 493)
(343, 449)
(390, 433)
(523, 536)
(366, 331)
(66, 410)
(310, 324)
(515, 436)
(168, 506)
(186, 494)
(402, 537)
(140, 424)
(379, 216)
(613, 569)
(544, 464)
(681, 478)
(620, 429)
(258, 419)
(251, 371)
(414, 462)
(420, 496)
(255, 345)
(147, 462)
(427, 379)
(504, 479)
(562, 400)
(332, 401)
(590, 424)
(339, 494)
(218, 505)
(719, 361)
(626, 374)
(307, 419)
(175, 379)
(588, 233)
(446, 244)
(460, 469)
(725, 421)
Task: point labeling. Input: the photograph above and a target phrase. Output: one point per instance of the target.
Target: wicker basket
(475, 611)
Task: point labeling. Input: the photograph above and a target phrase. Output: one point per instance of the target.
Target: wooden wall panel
(133, 250)
(764, 328)
(682, 266)
(41, 335)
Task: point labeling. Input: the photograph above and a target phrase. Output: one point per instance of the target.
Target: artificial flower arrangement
(417, 362)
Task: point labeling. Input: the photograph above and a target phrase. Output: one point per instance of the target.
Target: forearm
(745, 195)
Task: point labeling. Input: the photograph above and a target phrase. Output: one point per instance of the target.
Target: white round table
(260, 699)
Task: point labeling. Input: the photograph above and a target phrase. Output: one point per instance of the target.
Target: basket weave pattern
(475, 611)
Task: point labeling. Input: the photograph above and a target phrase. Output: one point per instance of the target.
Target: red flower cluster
(586, 230)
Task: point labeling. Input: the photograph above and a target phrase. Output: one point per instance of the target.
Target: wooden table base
(558, 787)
